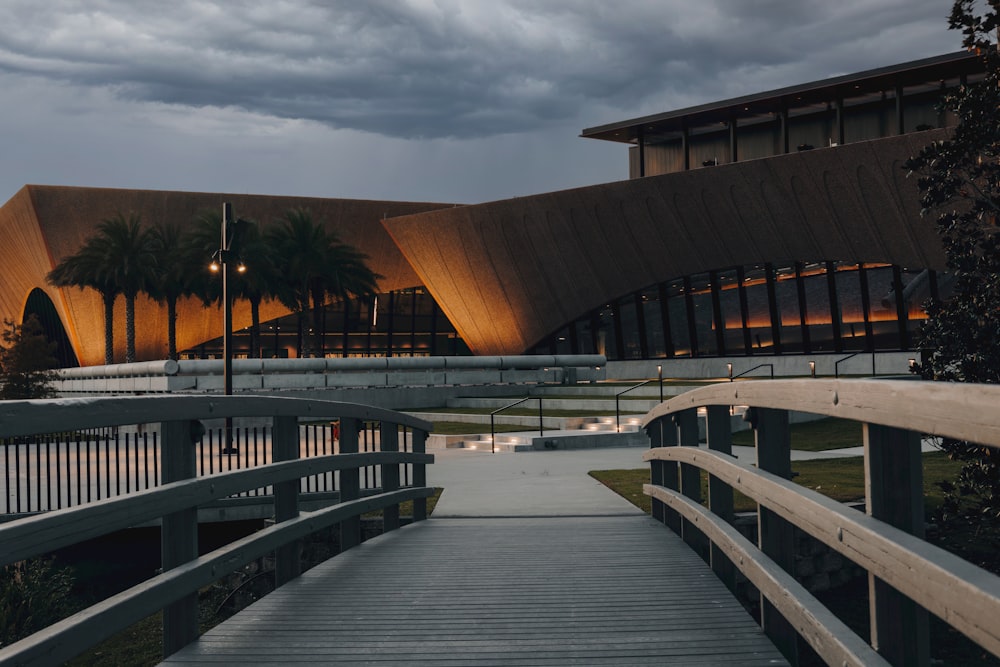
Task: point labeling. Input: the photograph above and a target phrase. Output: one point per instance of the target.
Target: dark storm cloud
(450, 68)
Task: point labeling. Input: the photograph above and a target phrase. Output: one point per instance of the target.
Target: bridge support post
(389, 442)
(419, 474)
(895, 495)
(179, 532)
(690, 479)
(285, 447)
(718, 432)
(350, 483)
(663, 433)
(776, 537)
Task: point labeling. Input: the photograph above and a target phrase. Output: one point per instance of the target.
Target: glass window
(787, 300)
(653, 319)
(758, 309)
(732, 319)
(628, 315)
(882, 306)
(818, 319)
(704, 324)
(852, 319)
(677, 310)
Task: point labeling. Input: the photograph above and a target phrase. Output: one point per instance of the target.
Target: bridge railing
(51, 471)
(908, 577)
(176, 500)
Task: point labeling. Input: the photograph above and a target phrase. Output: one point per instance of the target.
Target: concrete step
(530, 422)
(523, 442)
(598, 391)
(606, 405)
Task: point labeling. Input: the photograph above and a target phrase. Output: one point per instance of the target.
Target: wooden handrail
(832, 640)
(936, 579)
(947, 409)
(908, 577)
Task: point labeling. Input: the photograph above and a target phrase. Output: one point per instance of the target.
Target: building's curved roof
(42, 224)
(508, 273)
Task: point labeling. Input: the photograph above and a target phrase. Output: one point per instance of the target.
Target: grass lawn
(815, 436)
(841, 479)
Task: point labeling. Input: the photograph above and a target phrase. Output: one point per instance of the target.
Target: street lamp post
(230, 234)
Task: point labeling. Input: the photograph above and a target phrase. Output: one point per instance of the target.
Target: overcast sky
(424, 100)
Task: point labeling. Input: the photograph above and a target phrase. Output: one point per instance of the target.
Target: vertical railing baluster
(79, 478)
(690, 479)
(389, 443)
(654, 431)
(256, 491)
(145, 458)
(776, 536)
(156, 457)
(285, 447)
(48, 476)
(718, 432)
(38, 474)
(308, 481)
(118, 464)
(6, 472)
(419, 446)
(350, 483)
(179, 533)
(895, 494)
(97, 464)
(107, 465)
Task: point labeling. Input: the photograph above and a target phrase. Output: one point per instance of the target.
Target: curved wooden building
(780, 222)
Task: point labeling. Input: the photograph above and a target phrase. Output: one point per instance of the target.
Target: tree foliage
(315, 265)
(26, 360)
(959, 180)
(34, 594)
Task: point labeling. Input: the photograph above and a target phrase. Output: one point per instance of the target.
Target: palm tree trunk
(317, 330)
(254, 328)
(129, 328)
(109, 328)
(172, 329)
(299, 319)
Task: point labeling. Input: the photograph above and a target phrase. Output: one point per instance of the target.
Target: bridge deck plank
(497, 591)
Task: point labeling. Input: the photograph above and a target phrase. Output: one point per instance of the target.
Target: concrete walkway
(550, 483)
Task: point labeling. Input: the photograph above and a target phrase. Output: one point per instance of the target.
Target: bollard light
(812, 368)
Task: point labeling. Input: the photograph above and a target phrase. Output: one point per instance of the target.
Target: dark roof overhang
(857, 88)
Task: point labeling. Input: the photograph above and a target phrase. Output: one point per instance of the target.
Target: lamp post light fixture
(231, 234)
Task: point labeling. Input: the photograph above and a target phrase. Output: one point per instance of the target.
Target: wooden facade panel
(809, 206)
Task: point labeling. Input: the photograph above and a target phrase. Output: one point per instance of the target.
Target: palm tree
(315, 264)
(84, 269)
(172, 278)
(130, 263)
(256, 285)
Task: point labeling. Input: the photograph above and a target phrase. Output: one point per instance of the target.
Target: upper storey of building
(855, 107)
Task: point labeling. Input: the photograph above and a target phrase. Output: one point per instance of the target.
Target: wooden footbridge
(542, 590)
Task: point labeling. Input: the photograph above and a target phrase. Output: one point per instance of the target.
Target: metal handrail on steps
(836, 364)
(493, 433)
(750, 370)
(618, 416)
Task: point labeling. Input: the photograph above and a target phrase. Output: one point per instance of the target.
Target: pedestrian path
(527, 560)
